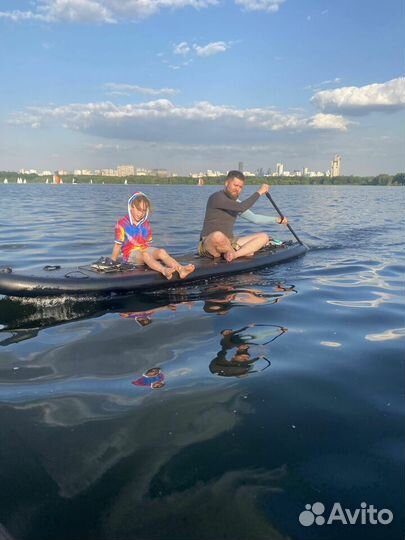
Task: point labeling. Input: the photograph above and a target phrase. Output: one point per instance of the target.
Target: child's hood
(130, 201)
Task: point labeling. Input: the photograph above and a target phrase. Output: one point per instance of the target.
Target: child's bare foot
(184, 271)
(168, 272)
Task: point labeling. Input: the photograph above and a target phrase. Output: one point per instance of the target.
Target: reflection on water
(392, 333)
(152, 378)
(192, 413)
(22, 319)
(223, 297)
(242, 362)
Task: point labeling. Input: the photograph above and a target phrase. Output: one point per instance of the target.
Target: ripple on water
(326, 415)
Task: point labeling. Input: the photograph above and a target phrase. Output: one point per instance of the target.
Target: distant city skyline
(168, 85)
(131, 170)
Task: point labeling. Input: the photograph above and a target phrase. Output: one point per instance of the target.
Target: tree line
(379, 180)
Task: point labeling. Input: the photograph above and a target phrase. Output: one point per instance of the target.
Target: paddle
(282, 217)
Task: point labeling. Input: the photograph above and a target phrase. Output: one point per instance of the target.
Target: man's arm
(225, 203)
(259, 219)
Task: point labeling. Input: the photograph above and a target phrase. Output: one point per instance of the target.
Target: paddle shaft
(282, 217)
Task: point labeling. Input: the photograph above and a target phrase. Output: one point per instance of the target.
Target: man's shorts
(202, 252)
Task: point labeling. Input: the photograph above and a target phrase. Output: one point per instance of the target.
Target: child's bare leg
(154, 264)
(173, 264)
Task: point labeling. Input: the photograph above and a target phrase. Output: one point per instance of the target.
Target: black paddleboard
(85, 280)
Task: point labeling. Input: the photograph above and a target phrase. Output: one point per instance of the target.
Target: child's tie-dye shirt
(132, 237)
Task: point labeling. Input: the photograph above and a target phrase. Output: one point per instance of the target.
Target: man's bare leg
(218, 245)
(250, 244)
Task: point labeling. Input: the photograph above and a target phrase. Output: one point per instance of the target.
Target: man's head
(234, 183)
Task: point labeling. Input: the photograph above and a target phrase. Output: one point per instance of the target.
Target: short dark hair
(235, 174)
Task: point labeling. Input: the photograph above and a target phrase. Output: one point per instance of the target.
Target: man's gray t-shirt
(222, 211)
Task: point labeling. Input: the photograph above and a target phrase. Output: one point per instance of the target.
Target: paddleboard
(86, 280)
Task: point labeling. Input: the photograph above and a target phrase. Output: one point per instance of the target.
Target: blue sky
(189, 85)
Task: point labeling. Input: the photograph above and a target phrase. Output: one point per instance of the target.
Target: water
(90, 450)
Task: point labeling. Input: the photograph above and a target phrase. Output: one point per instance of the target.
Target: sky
(191, 85)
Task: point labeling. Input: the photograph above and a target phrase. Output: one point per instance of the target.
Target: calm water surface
(211, 446)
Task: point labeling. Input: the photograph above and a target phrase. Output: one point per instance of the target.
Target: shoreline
(380, 180)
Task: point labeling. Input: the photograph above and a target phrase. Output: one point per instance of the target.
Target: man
(223, 207)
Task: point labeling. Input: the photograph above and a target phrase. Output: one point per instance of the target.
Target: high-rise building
(279, 169)
(125, 170)
(335, 166)
(240, 166)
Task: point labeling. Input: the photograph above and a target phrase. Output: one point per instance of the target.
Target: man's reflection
(254, 334)
(242, 363)
(226, 296)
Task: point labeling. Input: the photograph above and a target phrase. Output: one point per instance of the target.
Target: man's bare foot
(184, 271)
(229, 256)
(168, 272)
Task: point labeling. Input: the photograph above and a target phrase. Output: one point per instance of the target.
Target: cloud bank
(162, 121)
(115, 11)
(355, 100)
(98, 11)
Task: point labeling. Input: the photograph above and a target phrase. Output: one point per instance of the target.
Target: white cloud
(355, 100)
(128, 89)
(215, 47)
(182, 48)
(329, 121)
(211, 48)
(17, 16)
(327, 82)
(161, 120)
(98, 11)
(270, 6)
(192, 51)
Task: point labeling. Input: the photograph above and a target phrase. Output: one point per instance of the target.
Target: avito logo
(365, 515)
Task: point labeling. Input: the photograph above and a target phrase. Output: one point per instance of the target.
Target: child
(133, 237)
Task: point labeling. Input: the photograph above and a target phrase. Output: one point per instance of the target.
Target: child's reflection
(153, 378)
(145, 318)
